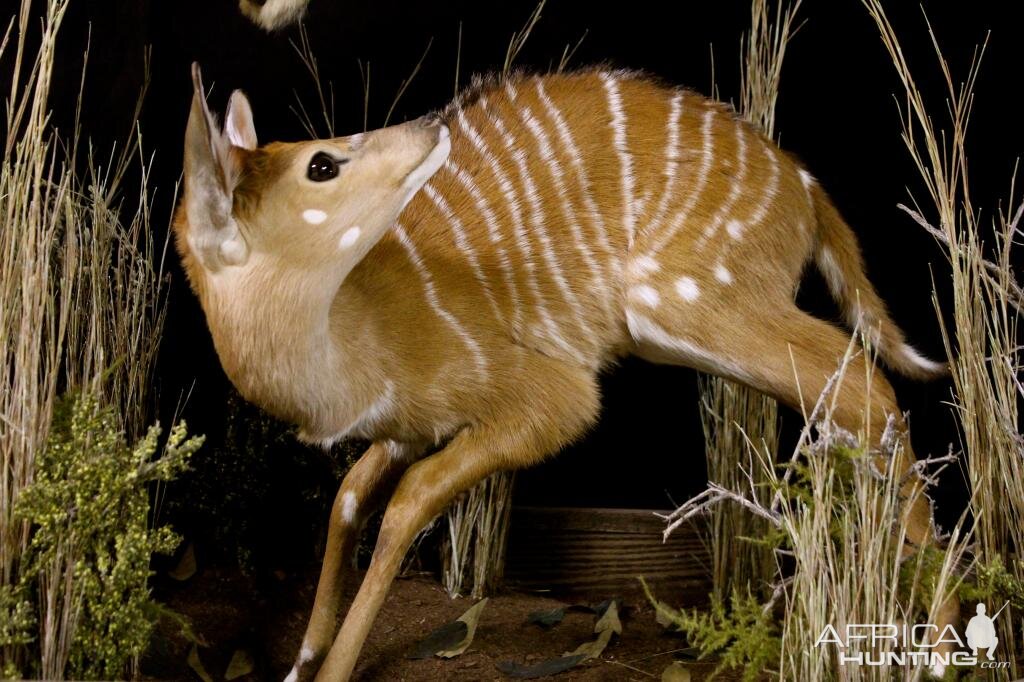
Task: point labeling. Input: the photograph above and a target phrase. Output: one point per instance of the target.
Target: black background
(836, 111)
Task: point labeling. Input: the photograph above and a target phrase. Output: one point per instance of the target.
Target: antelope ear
(211, 173)
(238, 123)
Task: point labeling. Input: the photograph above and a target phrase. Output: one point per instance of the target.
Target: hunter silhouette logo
(877, 644)
(981, 632)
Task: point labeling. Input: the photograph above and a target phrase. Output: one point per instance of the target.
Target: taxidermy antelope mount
(455, 284)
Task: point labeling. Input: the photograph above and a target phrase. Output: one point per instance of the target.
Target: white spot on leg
(646, 295)
(306, 653)
(688, 289)
(722, 274)
(348, 507)
(350, 237)
(314, 216)
(293, 676)
(735, 229)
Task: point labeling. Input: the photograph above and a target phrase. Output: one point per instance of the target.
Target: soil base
(230, 612)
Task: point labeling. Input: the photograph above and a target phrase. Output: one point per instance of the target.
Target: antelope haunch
(459, 281)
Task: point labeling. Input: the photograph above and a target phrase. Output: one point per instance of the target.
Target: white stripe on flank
(518, 227)
(522, 236)
(771, 189)
(557, 175)
(698, 187)
(671, 165)
(537, 222)
(462, 242)
(618, 124)
(735, 227)
(432, 300)
(565, 135)
(466, 180)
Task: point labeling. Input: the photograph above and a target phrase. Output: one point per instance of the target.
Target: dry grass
(983, 340)
(839, 516)
(732, 413)
(80, 297)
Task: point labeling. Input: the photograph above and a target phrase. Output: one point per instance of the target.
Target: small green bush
(89, 509)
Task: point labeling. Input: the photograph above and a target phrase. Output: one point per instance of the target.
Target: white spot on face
(722, 274)
(350, 237)
(314, 216)
(646, 295)
(643, 266)
(735, 229)
(806, 178)
(348, 507)
(687, 288)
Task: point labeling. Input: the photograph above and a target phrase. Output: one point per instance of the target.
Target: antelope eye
(323, 167)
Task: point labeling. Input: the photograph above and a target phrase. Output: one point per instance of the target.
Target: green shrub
(89, 509)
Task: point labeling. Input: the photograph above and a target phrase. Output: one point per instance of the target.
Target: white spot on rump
(722, 274)
(350, 237)
(688, 289)
(735, 229)
(643, 266)
(646, 295)
(314, 216)
(349, 504)
(806, 178)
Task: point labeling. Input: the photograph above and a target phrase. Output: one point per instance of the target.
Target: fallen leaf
(241, 664)
(451, 639)
(197, 665)
(593, 648)
(186, 567)
(471, 617)
(675, 672)
(547, 619)
(606, 626)
(444, 637)
(609, 619)
(542, 669)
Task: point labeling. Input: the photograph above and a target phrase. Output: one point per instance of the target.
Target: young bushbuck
(455, 284)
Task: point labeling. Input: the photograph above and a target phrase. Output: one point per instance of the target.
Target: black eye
(323, 167)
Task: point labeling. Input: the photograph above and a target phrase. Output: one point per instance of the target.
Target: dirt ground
(230, 613)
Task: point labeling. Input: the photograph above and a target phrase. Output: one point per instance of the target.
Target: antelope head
(311, 206)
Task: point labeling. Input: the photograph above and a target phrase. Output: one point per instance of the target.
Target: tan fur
(562, 231)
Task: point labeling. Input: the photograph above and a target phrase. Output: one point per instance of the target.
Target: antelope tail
(839, 259)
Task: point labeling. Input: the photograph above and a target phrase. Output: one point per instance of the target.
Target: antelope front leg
(424, 492)
(365, 486)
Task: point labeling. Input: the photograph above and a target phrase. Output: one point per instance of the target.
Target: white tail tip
(928, 366)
